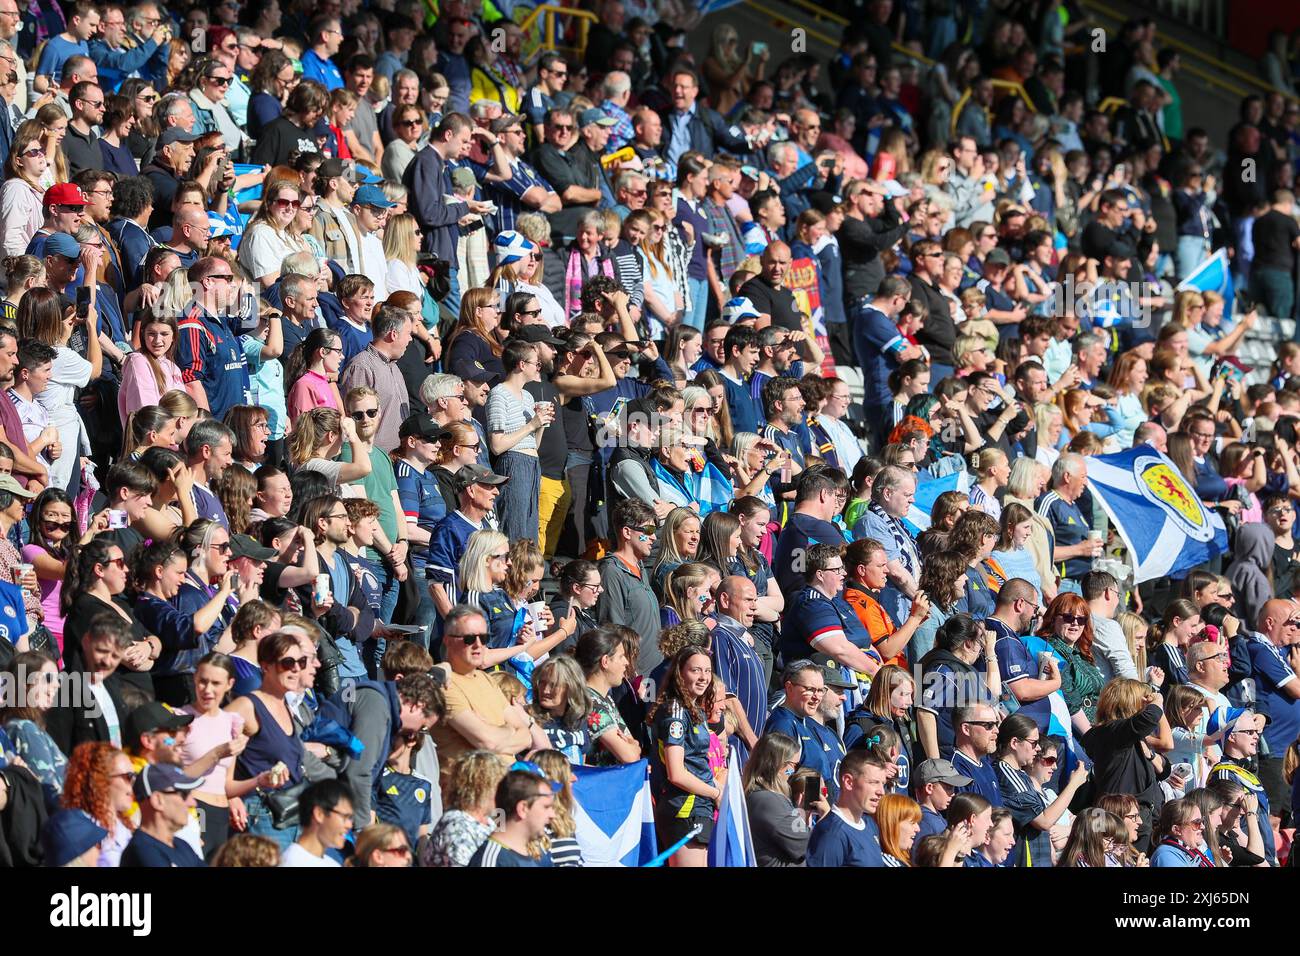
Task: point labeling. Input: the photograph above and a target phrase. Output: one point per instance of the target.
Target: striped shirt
(509, 194)
(565, 851)
(892, 861)
(985, 502)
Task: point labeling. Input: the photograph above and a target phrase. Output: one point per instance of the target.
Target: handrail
(1009, 85)
(1190, 50)
(820, 12)
(548, 12)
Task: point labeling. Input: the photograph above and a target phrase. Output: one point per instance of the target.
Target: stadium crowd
(396, 419)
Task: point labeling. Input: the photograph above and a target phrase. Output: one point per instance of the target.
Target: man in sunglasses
(552, 76)
(567, 165)
(479, 717)
(166, 798)
(1014, 615)
(334, 226)
(207, 349)
(939, 334)
(628, 599)
(1274, 662)
(526, 189)
(64, 209)
(975, 739)
(1240, 750)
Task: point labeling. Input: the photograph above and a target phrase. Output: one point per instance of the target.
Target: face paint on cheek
(643, 538)
(169, 741)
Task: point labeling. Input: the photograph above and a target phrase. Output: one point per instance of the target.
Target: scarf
(1201, 859)
(575, 273)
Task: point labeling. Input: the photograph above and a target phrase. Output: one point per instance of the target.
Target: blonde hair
(375, 837)
(309, 433)
(1121, 699)
(509, 685)
(557, 769)
(178, 404)
(472, 572)
(472, 781)
(399, 239)
(1129, 623)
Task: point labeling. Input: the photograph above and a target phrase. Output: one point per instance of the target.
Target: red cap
(64, 194)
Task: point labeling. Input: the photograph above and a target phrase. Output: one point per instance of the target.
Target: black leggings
(214, 824)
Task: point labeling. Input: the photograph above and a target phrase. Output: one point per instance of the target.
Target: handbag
(283, 804)
(40, 639)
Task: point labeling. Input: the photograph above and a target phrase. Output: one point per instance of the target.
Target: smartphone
(758, 47)
(83, 302)
(812, 790)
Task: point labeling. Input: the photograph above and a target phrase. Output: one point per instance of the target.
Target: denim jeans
(452, 302)
(517, 506)
(1274, 290)
(388, 601)
(694, 317)
(259, 823)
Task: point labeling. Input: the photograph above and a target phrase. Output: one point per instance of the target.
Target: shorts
(669, 829)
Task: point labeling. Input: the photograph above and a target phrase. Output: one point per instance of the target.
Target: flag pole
(664, 856)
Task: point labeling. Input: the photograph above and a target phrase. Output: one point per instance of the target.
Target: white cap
(739, 308)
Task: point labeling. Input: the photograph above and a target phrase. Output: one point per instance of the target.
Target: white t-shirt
(262, 250)
(403, 278)
(373, 261)
(297, 855)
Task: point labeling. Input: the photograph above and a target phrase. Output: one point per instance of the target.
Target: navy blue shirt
(811, 615)
(209, 353)
(446, 547)
(422, 502)
(673, 727)
(147, 851)
(1069, 526)
(402, 799)
(746, 413)
(821, 748)
(984, 778)
(1015, 663)
(835, 842)
(876, 344)
(800, 533)
(355, 340)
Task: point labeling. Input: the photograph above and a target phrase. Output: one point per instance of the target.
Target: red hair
(1067, 603)
(85, 786)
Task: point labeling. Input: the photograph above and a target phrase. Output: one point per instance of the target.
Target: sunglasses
(478, 637)
(127, 775)
(647, 529)
(1048, 761)
(1076, 619)
(288, 203)
(221, 80)
(292, 663)
(986, 724)
(363, 413)
(120, 562)
(57, 525)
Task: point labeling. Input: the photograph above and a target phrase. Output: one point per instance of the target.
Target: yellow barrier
(548, 15)
(1009, 85)
(784, 18)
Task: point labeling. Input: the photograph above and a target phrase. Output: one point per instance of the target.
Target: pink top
(311, 391)
(206, 733)
(140, 388)
(50, 590)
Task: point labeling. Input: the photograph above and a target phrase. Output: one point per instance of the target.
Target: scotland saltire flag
(712, 490)
(1212, 275)
(614, 814)
(927, 492)
(1157, 513)
(732, 844)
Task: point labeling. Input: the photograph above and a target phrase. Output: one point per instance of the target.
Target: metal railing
(1215, 72)
(1207, 15)
(1009, 85)
(553, 27)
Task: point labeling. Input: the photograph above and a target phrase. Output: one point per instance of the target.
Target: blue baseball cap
(369, 195)
(62, 244)
(161, 777)
(68, 834)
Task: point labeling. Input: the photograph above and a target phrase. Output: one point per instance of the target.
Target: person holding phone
(780, 818)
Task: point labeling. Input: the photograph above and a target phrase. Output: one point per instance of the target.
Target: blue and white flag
(928, 491)
(732, 844)
(1212, 275)
(615, 814)
(1157, 512)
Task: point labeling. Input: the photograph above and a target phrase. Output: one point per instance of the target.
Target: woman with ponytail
(311, 378)
(145, 428)
(318, 438)
(152, 371)
(24, 273)
(1168, 640)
